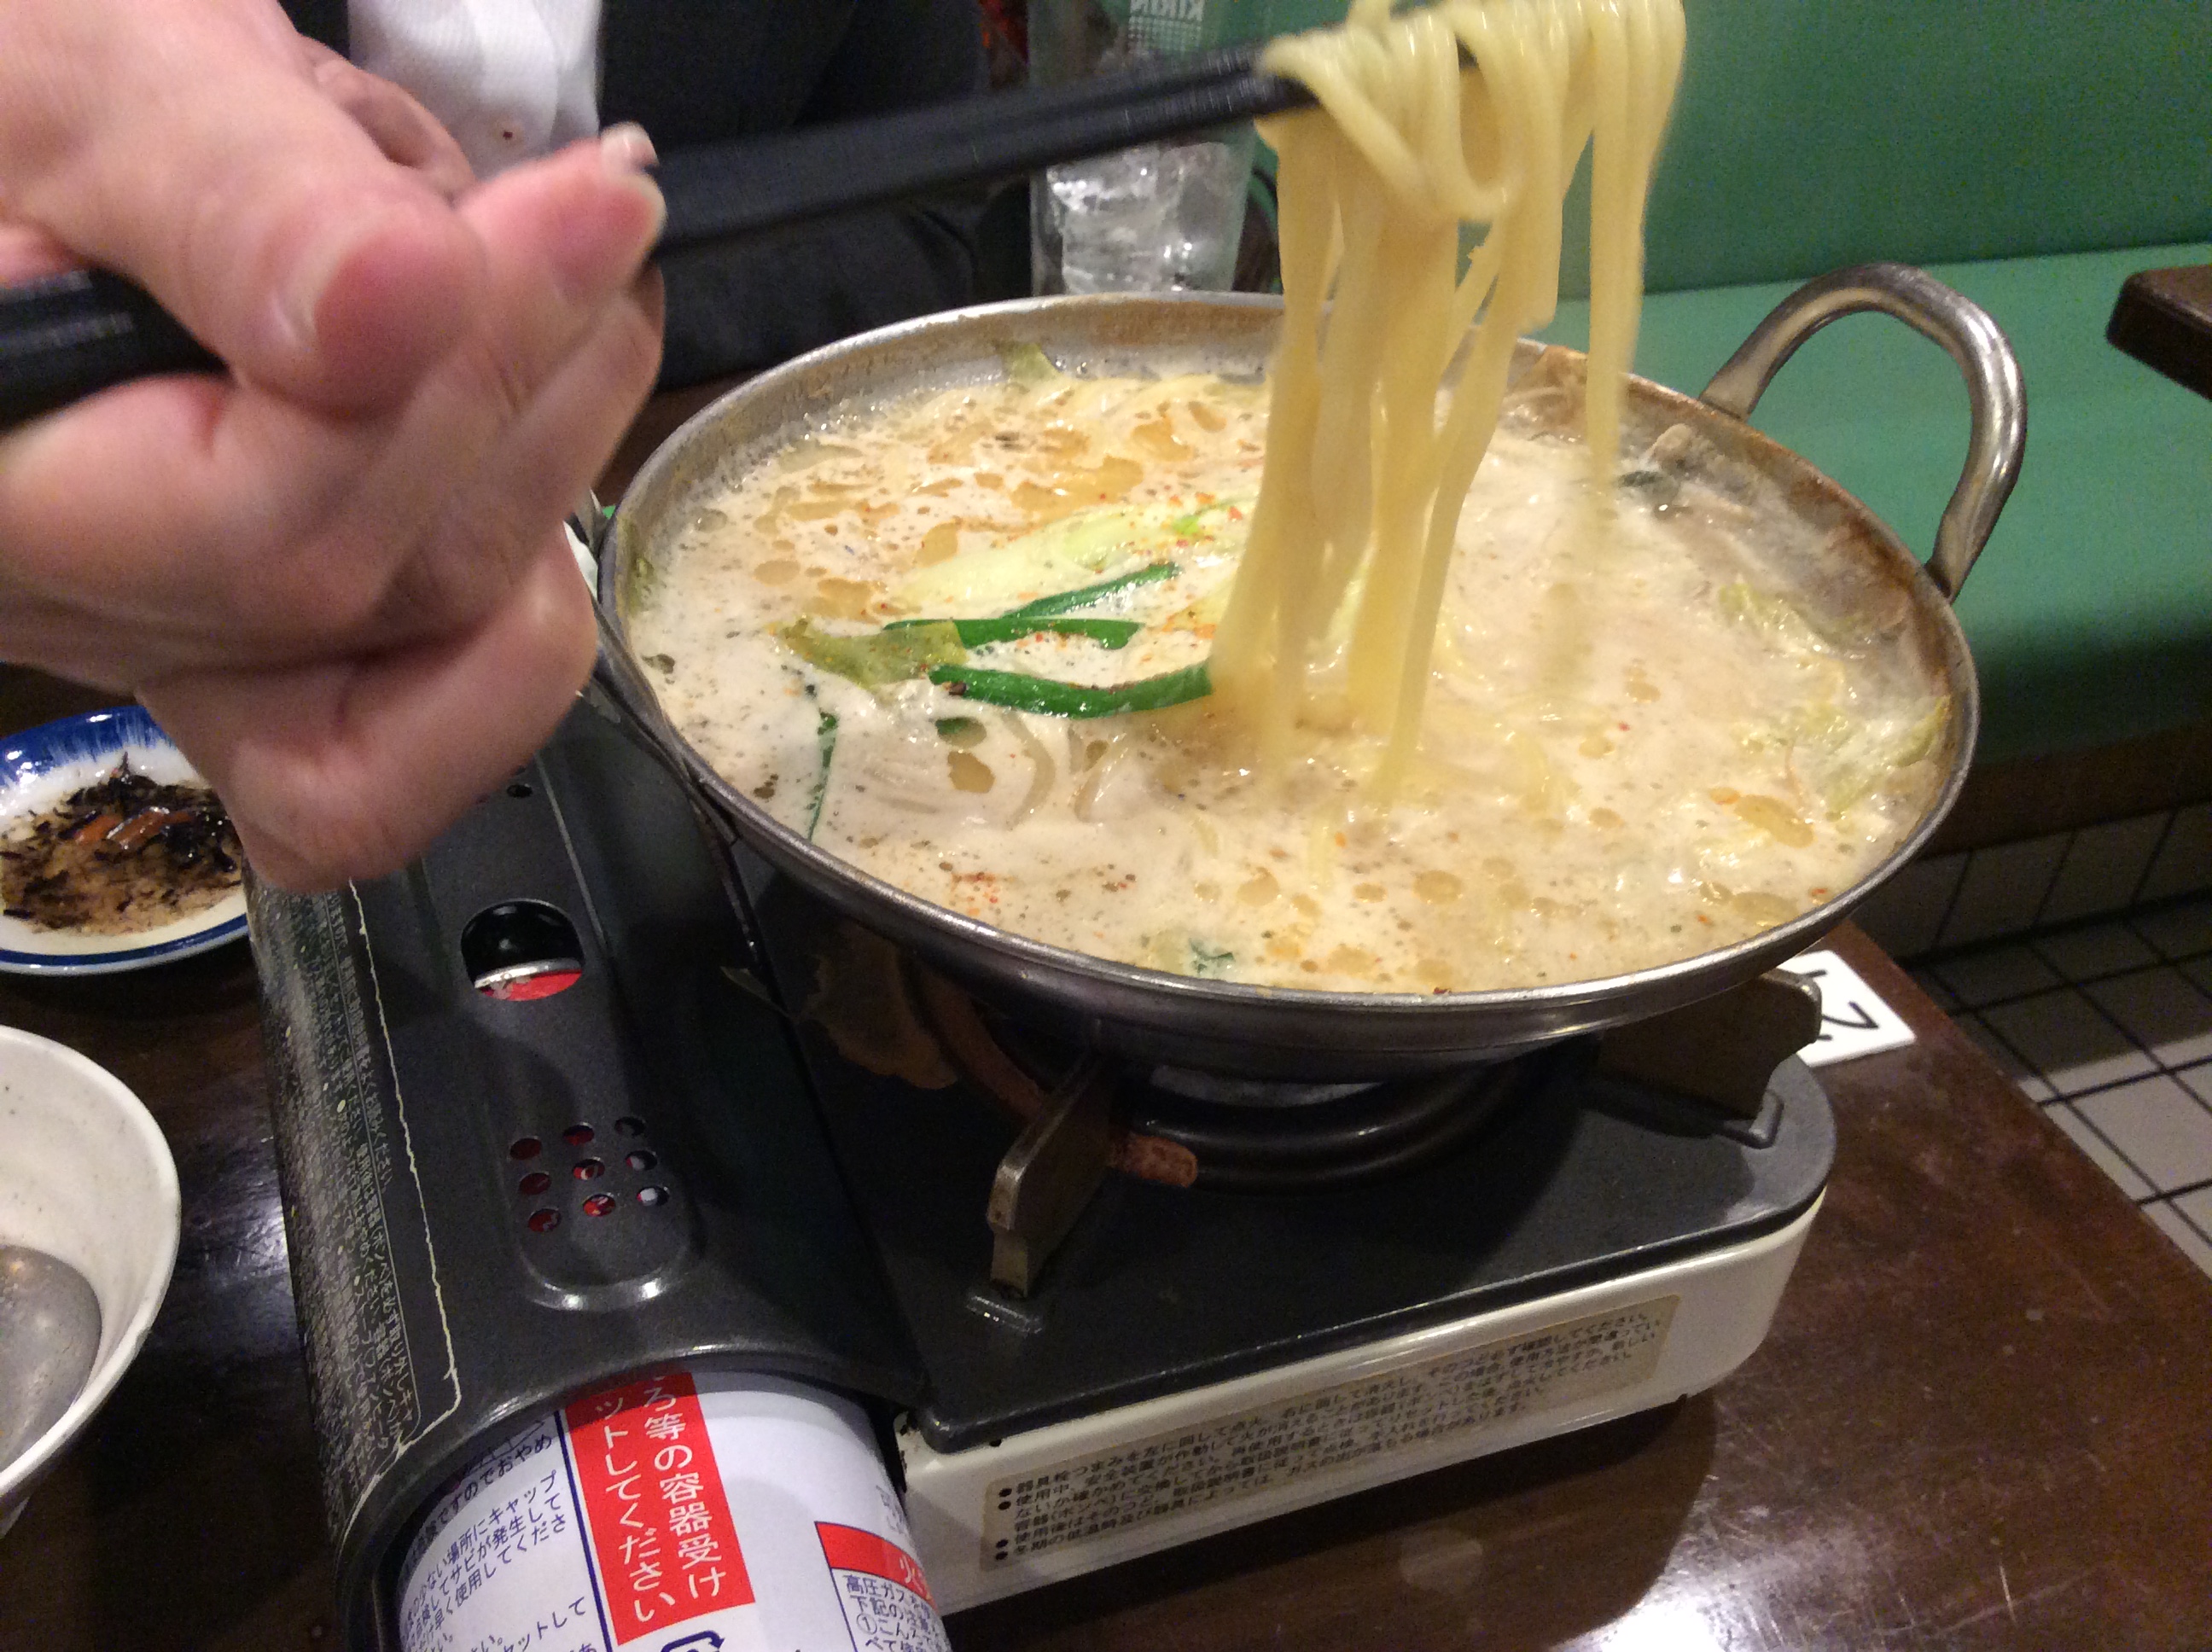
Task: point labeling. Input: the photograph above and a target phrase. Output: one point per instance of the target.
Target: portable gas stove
(548, 1117)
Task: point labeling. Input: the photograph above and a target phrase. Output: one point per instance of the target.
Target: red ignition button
(519, 986)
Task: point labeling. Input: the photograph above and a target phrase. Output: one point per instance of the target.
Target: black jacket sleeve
(692, 71)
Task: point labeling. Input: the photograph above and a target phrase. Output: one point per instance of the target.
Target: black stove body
(496, 1202)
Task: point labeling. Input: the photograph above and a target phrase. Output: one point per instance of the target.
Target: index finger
(185, 143)
(406, 132)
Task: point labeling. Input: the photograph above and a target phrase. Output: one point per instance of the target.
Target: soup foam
(1644, 737)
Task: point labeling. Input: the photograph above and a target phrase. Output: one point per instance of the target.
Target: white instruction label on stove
(1854, 1021)
(1419, 1406)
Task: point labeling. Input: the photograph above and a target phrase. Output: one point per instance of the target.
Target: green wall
(1811, 134)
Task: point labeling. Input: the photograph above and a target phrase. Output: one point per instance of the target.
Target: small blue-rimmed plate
(41, 767)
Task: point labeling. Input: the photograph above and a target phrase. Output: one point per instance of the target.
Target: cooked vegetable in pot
(961, 640)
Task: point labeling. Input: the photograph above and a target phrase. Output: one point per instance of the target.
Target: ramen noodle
(1384, 675)
(1371, 465)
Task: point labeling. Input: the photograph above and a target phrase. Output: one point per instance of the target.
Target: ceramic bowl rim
(18, 1045)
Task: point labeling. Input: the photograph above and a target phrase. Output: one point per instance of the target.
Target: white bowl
(89, 1182)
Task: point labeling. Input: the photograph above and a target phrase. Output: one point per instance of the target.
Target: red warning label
(660, 1522)
(847, 1548)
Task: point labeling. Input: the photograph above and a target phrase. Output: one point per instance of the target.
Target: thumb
(186, 144)
(27, 254)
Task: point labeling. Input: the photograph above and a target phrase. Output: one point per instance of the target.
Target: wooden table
(1981, 1418)
(2163, 318)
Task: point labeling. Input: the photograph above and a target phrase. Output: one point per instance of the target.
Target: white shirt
(510, 79)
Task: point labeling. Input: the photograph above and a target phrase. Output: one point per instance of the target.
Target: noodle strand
(1361, 494)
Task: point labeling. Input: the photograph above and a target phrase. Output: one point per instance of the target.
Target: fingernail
(299, 299)
(643, 182)
(625, 149)
(591, 258)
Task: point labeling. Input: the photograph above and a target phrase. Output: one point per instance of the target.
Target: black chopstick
(727, 190)
(65, 336)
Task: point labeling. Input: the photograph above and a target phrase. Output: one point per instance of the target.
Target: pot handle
(1960, 326)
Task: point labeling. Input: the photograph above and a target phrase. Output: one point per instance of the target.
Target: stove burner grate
(1362, 1134)
(1219, 1133)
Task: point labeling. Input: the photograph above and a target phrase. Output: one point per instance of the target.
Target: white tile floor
(2107, 1026)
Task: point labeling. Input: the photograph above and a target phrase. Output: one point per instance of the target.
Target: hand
(408, 134)
(336, 577)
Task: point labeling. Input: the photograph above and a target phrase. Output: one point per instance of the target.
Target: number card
(1854, 1020)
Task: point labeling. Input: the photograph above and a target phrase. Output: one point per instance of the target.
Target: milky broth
(1641, 741)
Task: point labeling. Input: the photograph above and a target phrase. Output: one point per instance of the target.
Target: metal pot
(1265, 1032)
